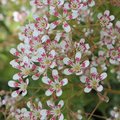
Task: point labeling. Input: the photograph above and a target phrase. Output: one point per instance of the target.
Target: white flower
(20, 85)
(93, 80)
(75, 67)
(56, 110)
(54, 85)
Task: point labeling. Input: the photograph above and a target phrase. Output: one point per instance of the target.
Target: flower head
(56, 110)
(93, 81)
(55, 85)
(76, 66)
(21, 86)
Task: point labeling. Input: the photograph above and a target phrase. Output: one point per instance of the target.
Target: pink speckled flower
(56, 85)
(93, 80)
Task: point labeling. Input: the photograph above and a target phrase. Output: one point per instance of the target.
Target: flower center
(94, 83)
(57, 111)
(114, 54)
(47, 61)
(23, 86)
(104, 21)
(26, 71)
(57, 86)
(76, 68)
(42, 23)
(74, 6)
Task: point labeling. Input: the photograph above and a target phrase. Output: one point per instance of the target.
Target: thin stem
(98, 116)
(94, 110)
(113, 91)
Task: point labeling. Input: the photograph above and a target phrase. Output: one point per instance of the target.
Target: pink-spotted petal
(112, 17)
(59, 92)
(36, 76)
(100, 88)
(78, 56)
(107, 12)
(16, 76)
(61, 103)
(40, 105)
(85, 64)
(93, 70)
(118, 24)
(54, 24)
(67, 61)
(61, 2)
(67, 72)
(52, 54)
(47, 81)
(11, 83)
(92, 3)
(27, 81)
(14, 94)
(83, 79)
(49, 92)
(50, 103)
(24, 93)
(64, 82)
(61, 117)
(55, 74)
(45, 38)
(41, 51)
(53, 64)
(103, 76)
(67, 6)
(87, 89)
(99, 15)
(14, 64)
(13, 51)
(66, 27)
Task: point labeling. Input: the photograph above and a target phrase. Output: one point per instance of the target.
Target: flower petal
(45, 38)
(67, 61)
(99, 15)
(100, 88)
(14, 94)
(85, 64)
(46, 80)
(83, 79)
(93, 70)
(103, 76)
(24, 93)
(64, 82)
(16, 76)
(55, 74)
(87, 90)
(78, 56)
(112, 17)
(66, 27)
(107, 12)
(59, 92)
(11, 83)
(49, 92)
(67, 72)
(50, 103)
(61, 103)
(61, 117)
(54, 24)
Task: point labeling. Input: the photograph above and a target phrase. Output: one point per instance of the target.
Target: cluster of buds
(53, 49)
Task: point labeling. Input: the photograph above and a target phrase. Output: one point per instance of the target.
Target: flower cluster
(52, 50)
